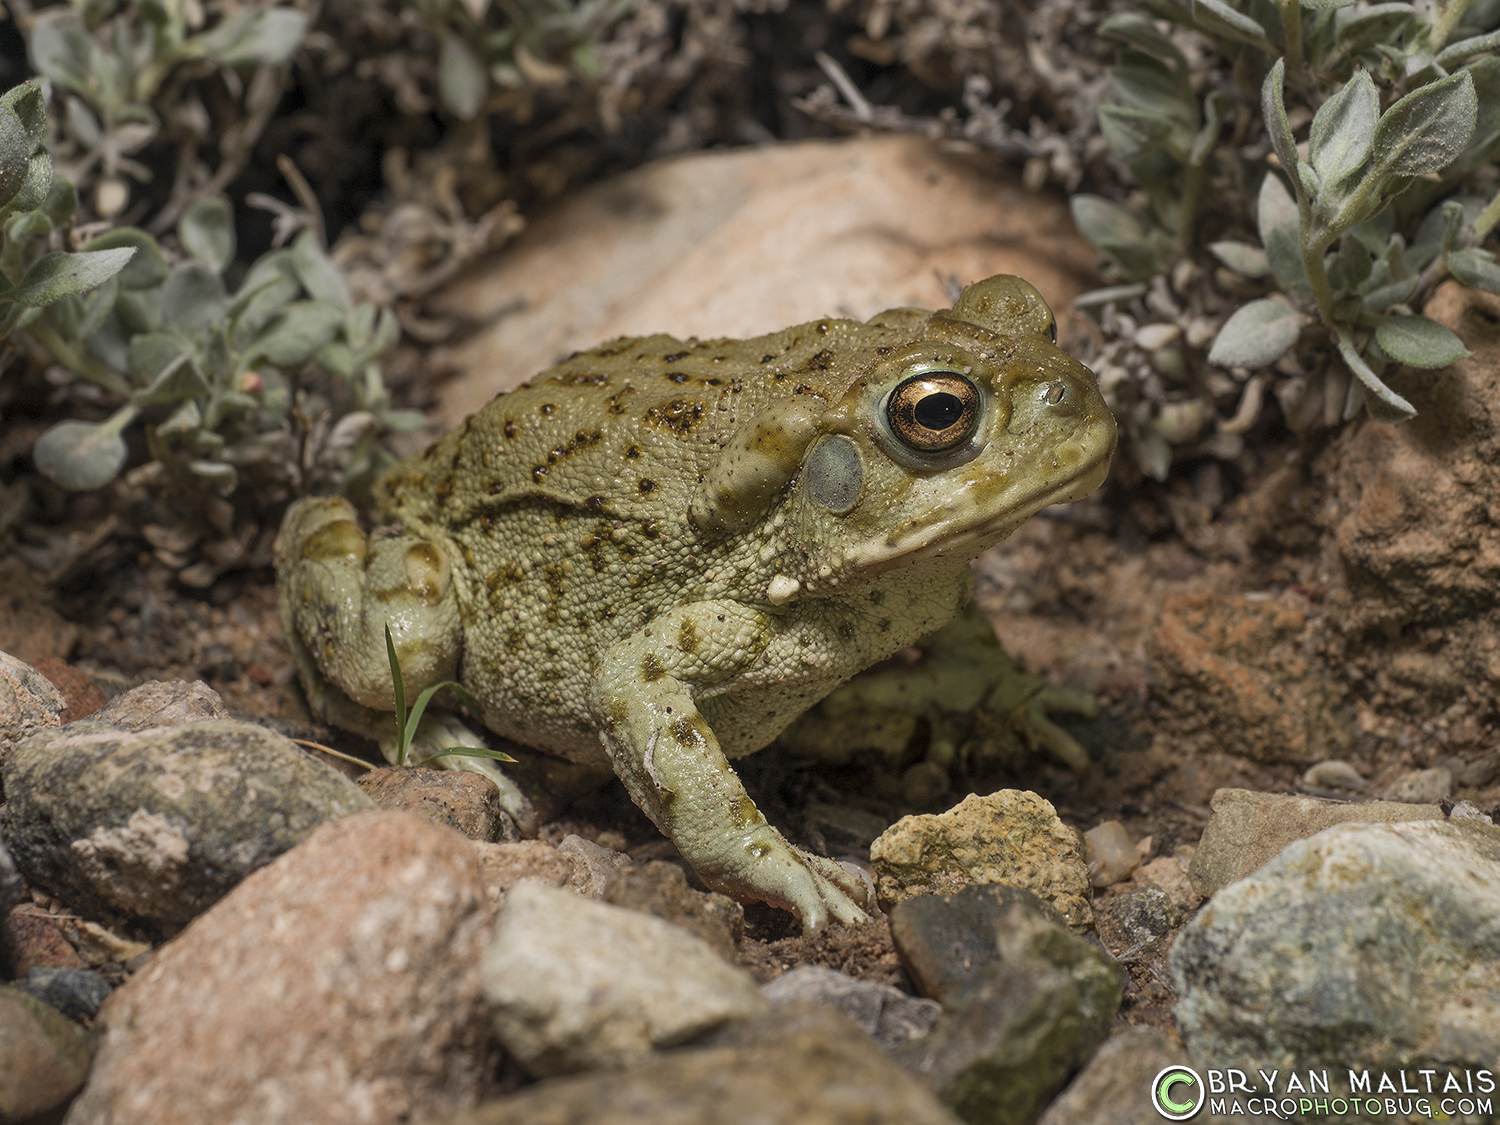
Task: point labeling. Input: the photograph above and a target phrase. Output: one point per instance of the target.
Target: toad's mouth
(978, 515)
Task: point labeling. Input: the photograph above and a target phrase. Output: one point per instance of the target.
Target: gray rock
(157, 825)
(29, 702)
(44, 1056)
(1001, 1057)
(948, 943)
(1137, 920)
(1116, 1085)
(1368, 944)
(800, 1064)
(12, 886)
(162, 703)
(1011, 1035)
(575, 984)
(598, 867)
(661, 889)
(76, 993)
(461, 799)
(886, 1014)
(335, 985)
(1421, 787)
(1248, 830)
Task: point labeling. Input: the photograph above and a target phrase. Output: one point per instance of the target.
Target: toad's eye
(934, 411)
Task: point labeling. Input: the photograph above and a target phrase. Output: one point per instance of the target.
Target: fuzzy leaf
(58, 275)
(1273, 110)
(462, 78)
(192, 299)
(61, 50)
(1382, 402)
(1343, 130)
(1257, 334)
(295, 336)
(1476, 268)
(1142, 34)
(15, 154)
(179, 380)
(319, 276)
(1105, 223)
(1242, 258)
(29, 105)
(1132, 132)
(1418, 342)
(1381, 297)
(1146, 84)
(1427, 129)
(151, 353)
(1455, 53)
(1325, 5)
(146, 269)
(1355, 29)
(80, 455)
(1219, 16)
(207, 232)
(1280, 226)
(252, 35)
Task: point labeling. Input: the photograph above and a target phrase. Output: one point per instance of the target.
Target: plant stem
(1291, 31)
(74, 359)
(1486, 220)
(1443, 26)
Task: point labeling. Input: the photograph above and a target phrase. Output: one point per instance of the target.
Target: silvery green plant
(1388, 194)
(35, 205)
(212, 372)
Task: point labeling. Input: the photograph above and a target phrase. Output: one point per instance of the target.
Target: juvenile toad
(659, 553)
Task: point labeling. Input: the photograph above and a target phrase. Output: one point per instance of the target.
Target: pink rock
(337, 984)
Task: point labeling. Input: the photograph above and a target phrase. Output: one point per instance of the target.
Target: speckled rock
(1010, 836)
(502, 867)
(1421, 787)
(800, 1064)
(1115, 1086)
(947, 943)
(578, 985)
(887, 1015)
(28, 703)
(162, 703)
(461, 799)
(1248, 830)
(30, 938)
(157, 825)
(1025, 1001)
(596, 868)
(358, 948)
(1136, 921)
(76, 993)
(43, 1056)
(661, 889)
(1368, 944)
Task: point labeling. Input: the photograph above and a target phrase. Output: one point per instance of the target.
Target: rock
(595, 868)
(12, 886)
(1232, 675)
(461, 799)
(947, 943)
(30, 628)
(163, 703)
(502, 867)
(43, 1056)
(1010, 836)
(1136, 921)
(1421, 787)
(82, 695)
(1109, 854)
(1000, 1057)
(703, 245)
(1116, 1084)
(28, 703)
(799, 1064)
(661, 889)
(1170, 873)
(1248, 830)
(1334, 774)
(844, 826)
(886, 1014)
(157, 825)
(1367, 945)
(357, 947)
(30, 938)
(76, 993)
(578, 985)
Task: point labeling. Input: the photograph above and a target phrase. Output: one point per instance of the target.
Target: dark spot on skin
(583, 439)
(555, 576)
(884, 624)
(428, 453)
(549, 408)
(767, 358)
(805, 389)
(743, 813)
(679, 415)
(509, 429)
(632, 451)
(678, 376)
(674, 357)
(594, 503)
(514, 640)
(721, 617)
(844, 630)
(647, 486)
(822, 328)
(882, 351)
(877, 597)
(581, 379)
(686, 733)
(497, 487)
(714, 382)
(780, 375)
(820, 362)
(687, 636)
(651, 669)
(650, 529)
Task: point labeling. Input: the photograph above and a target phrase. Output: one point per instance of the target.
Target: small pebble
(1109, 853)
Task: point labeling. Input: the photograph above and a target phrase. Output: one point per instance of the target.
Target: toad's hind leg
(338, 591)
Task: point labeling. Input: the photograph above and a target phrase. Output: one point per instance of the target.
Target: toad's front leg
(662, 748)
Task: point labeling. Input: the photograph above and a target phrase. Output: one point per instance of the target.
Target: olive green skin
(659, 553)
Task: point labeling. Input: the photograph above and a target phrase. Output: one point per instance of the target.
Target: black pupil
(938, 411)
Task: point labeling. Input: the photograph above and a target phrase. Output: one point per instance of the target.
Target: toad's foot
(1031, 718)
